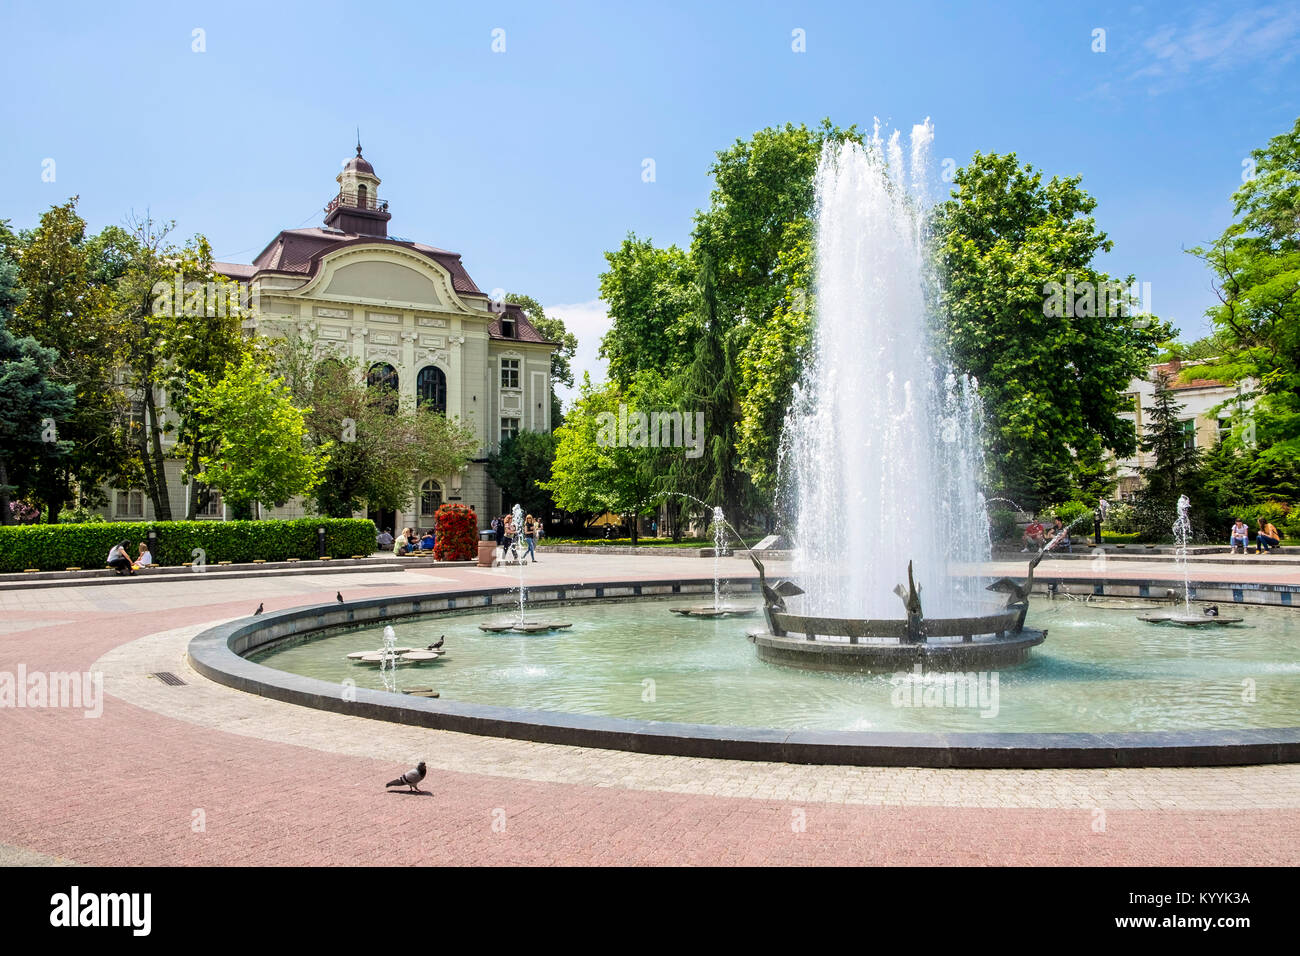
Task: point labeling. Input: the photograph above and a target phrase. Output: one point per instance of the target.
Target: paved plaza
(203, 774)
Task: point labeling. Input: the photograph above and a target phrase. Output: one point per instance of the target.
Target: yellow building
(414, 318)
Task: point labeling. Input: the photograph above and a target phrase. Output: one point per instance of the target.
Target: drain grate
(168, 678)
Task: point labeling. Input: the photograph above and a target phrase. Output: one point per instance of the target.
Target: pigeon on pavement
(338, 596)
(410, 779)
(259, 609)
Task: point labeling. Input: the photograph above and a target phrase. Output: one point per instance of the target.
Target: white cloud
(1218, 43)
(589, 321)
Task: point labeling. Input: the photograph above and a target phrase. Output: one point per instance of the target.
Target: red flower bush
(457, 533)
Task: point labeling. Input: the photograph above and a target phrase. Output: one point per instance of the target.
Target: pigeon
(437, 644)
(1212, 610)
(410, 779)
(259, 609)
(338, 596)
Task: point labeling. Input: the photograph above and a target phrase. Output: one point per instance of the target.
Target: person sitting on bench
(1266, 538)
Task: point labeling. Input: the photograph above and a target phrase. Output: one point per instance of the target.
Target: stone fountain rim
(213, 654)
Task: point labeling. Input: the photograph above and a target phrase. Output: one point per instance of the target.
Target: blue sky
(528, 161)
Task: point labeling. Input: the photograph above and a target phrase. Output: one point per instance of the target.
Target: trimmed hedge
(53, 547)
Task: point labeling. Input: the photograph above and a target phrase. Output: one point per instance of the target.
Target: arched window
(361, 195)
(382, 377)
(431, 388)
(430, 498)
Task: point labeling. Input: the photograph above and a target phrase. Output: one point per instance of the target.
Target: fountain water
(718, 609)
(521, 623)
(1182, 534)
(388, 666)
(883, 440)
(882, 449)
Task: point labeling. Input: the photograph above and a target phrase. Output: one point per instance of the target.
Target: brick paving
(202, 774)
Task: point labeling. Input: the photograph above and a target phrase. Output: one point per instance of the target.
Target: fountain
(717, 609)
(883, 449)
(1210, 616)
(521, 623)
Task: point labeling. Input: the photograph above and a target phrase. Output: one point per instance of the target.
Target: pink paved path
(122, 789)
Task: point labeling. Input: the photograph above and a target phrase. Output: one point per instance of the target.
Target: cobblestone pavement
(204, 774)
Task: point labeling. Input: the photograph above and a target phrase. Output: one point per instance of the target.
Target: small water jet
(717, 609)
(521, 623)
(1210, 616)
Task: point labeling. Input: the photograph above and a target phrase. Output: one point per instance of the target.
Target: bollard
(320, 541)
(152, 539)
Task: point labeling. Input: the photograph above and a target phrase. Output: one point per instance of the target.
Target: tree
(522, 467)
(595, 469)
(1175, 469)
(1256, 265)
(648, 294)
(30, 401)
(65, 306)
(552, 329)
(377, 447)
(1053, 341)
(259, 439)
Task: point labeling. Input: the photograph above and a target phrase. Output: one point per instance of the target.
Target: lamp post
(320, 541)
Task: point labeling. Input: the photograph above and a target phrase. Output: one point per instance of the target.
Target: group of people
(508, 536)
(1266, 537)
(1039, 536)
(408, 542)
(119, 558)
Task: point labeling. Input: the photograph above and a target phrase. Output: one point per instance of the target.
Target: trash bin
(487, 551)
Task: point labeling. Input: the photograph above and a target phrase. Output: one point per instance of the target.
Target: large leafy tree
(1256, 264)
(594, 470)
(648, 294)
(552, 329)
(29, 398)
(522, 467)
(1052, 384)
(259, 444)
(67, 280)
(377, 443)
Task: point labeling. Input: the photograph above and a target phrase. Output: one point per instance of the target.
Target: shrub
(58, 546)
(457, 533)
(1003, 526)
(1070, 511)
(1120, 520)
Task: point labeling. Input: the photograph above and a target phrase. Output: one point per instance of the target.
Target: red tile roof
(299, 251)
(525, 331)
(1174, 369)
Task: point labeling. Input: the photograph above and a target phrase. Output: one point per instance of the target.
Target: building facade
(1204, 421)
(413, 317)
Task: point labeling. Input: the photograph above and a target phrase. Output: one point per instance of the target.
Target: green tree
(260, 450)
(649, 296)
(594, 469)
(522, 468)
(376, 447)
(1256, 264)
(552, 329)
(1052, 340)
(29, 398)
(1175, 466)
(67, 283)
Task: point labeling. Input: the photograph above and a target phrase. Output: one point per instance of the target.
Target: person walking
(530, 536)
(1266, 537)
